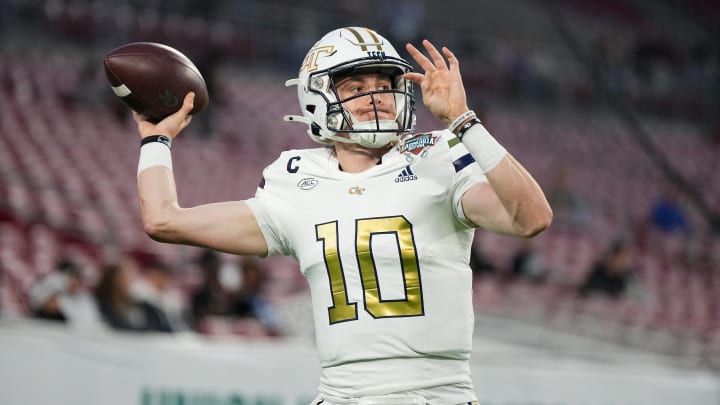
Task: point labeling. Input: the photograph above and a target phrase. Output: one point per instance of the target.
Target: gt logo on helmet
(310, 62)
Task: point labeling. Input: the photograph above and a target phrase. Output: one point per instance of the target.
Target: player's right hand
(171, 125)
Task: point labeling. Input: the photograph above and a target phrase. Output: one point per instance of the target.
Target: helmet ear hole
(310, 108)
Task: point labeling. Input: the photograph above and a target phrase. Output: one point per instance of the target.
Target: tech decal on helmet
(339, 53)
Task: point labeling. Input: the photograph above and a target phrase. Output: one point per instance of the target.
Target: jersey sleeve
(270, 209)
(467, 174)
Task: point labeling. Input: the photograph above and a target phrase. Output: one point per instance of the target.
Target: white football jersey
(386, 254)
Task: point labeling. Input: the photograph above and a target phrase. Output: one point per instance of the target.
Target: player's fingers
(421, 59)
(137, 117)
(188, 103)
(184, 111)
(452, 60)
(186, 122)
(414, 77)
(437, 58)
(176, 122)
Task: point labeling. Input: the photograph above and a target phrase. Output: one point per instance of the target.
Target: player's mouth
(369, 115)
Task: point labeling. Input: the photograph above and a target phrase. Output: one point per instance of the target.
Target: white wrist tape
(486, 151)
(154, 154)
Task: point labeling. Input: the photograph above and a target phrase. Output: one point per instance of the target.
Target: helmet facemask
(376, 132)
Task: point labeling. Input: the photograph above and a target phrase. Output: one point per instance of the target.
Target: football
(153, 78)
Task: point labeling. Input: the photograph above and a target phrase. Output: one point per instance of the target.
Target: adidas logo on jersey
(405, 175)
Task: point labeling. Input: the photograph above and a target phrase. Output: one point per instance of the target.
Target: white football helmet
(346, 51)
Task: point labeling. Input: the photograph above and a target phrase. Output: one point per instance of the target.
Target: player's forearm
(526, 210)
(521, 196)
(158, 201)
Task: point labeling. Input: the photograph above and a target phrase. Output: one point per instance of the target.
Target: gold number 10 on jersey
(342, 310)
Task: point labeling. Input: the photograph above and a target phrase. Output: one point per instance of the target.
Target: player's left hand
(441, 84)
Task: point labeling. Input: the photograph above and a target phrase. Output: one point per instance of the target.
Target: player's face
(362, 107)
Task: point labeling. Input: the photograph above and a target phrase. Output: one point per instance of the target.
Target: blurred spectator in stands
(654, 59)
(527, 263)
(613, 274)
(156, 285)
(119, 308)
(250, 302)
(480, 264)
(212, 298)
(231, 291)
(667, 213)
(61, 296)
(569, 207)
(700, 83)
(610, 57)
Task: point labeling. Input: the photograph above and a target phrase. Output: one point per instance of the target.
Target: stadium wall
(41, 364)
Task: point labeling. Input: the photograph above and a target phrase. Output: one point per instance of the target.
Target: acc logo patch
(417, 144)
(307, 183)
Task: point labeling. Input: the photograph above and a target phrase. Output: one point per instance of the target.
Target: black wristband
(461, 131)
(157, 138)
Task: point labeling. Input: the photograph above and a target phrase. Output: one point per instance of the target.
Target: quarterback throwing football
(380, 219)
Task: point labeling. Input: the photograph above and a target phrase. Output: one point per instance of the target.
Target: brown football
(153, 78)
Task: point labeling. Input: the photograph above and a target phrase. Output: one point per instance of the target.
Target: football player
(381, 220)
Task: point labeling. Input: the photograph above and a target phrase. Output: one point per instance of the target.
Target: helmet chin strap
(371, 139)
(366, 134)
